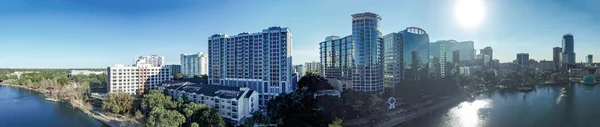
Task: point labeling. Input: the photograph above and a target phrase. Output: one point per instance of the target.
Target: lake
(24, 108)
(548, 106)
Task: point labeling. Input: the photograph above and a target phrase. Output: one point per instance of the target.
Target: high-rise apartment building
(262, 61)
(153, 60)
(393, 63)
(568, 51)
(522, 59)
(312, 66)
(194, 64)
(556, 52)
(136, 79)
(367, 74)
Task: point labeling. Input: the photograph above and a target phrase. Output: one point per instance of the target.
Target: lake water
(24, 108)
(574, 106)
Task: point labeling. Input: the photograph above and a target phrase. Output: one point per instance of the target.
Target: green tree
(161, 117)
(195, 125)
(362, 103)
(313, 82)
(156, 99)
(180, 76)
(63, 80)
(118, 103)
(294, 109)
(190, 109)
(210, 117)
(329, 108)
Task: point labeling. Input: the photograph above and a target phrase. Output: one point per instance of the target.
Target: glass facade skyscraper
(261, 61)
(337, 57)
(416, 51)
(568, 51)
(367, 74)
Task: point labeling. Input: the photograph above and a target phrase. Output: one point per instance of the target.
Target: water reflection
(466, 114)
(573, 105)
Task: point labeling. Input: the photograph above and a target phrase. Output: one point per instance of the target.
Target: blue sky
(99, 33)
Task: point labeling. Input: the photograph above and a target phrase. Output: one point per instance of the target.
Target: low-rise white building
(129, 79)
(334, 93)
(86, 72)
(234, 103)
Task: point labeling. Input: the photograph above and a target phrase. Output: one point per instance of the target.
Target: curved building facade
(416, 50)
(368, 46)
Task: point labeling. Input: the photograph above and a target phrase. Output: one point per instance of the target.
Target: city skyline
(85, 34)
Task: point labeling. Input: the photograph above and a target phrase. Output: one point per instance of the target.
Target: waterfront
(547, 106)
(20, 107)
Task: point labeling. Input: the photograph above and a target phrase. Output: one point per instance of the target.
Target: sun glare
(469, 13)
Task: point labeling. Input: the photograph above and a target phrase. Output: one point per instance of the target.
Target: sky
(99, 33)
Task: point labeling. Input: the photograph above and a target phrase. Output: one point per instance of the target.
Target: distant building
(130, 79)
(568, 51)
(312, 67)
(522, 59)
(482, 60)
(590, 59)
(16, 73)
(233, 103)
(194, 64)
(456, 56)
(468, 71)
(546, 65)
(153, 60)
(299, 69)
(86, 72)
(487, 51)
(556, 54)
(174, 69)
(334, 93)
(262, 61)
(577, 72)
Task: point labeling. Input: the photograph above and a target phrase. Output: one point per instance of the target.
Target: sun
(469, 13)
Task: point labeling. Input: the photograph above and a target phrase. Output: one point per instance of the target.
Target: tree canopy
(118, 103)
(161, 117)
(314, 82)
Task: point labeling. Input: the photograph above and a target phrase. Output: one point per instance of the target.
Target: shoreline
(401, 119)
(97, 115)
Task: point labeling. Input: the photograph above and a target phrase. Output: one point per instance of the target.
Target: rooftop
(220, 91)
